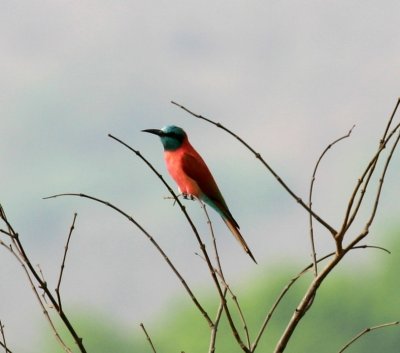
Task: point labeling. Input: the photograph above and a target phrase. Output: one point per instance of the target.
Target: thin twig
(304, 304)
(37, 295)
(313, 253)
(30, 271)
(365, 331)
(239, 309)
(214, 328)
(214, 240)
(220, 273)
(366, 176)
(292, 282)
(152, 240)
(3, 335)
(309, 296)
(5, 232)
(7, 350)
(148, 338)
(234, 299)
(391, 119)
(200, 242)
(258, 156)
(226, 286)
(43, 292)
(63, 262)
(311, 291)
(365, 231)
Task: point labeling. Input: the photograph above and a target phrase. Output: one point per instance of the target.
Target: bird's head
(171, 136)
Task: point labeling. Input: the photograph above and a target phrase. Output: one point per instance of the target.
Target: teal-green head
(171, 136)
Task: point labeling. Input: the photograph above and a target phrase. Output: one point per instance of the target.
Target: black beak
(155, 132)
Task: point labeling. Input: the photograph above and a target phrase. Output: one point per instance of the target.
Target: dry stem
(148, 338)
(63, 261)
(313, 253)
(365, 331)
(152, 240)
(19, 253)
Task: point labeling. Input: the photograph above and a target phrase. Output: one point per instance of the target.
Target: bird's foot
(187, 196)
(184, 195)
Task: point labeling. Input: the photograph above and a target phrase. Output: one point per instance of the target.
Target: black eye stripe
(174, 135)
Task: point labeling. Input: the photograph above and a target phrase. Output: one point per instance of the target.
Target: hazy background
(289, 77)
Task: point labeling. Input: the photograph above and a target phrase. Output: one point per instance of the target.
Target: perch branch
(199, 240)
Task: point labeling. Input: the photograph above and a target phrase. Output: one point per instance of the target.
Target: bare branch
(37, 295)
(63, 262)
(6, 233)
(32, 275)
(234, 299)
(367, 330)
(381, 181)
(313, 253)
(390, 120)
(258, 156)
(366, 177)
(7, 350)
(239, 309)
(152, 240)
(365, 231)
(291, 283)
(3, 343)
(306, 302)
(148, 338)
(214, 329)
(220, 273)
(43, 292)
(214, 240)
(309, 296)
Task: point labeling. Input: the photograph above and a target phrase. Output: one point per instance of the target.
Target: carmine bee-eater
(193, 177)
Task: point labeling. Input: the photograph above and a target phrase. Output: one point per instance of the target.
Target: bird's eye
(173, 135)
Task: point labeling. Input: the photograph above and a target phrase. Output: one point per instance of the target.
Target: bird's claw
(187, 196)
(184, 195)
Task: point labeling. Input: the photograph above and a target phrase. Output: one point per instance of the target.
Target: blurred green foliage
(347, 303)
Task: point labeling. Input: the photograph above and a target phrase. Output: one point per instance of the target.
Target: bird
(194, 179)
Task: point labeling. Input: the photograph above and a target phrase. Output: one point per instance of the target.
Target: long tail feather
(239, 237)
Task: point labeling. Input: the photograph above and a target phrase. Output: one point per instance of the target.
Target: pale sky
(289, 77)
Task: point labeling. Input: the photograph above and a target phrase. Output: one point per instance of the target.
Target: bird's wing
(195, 168)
